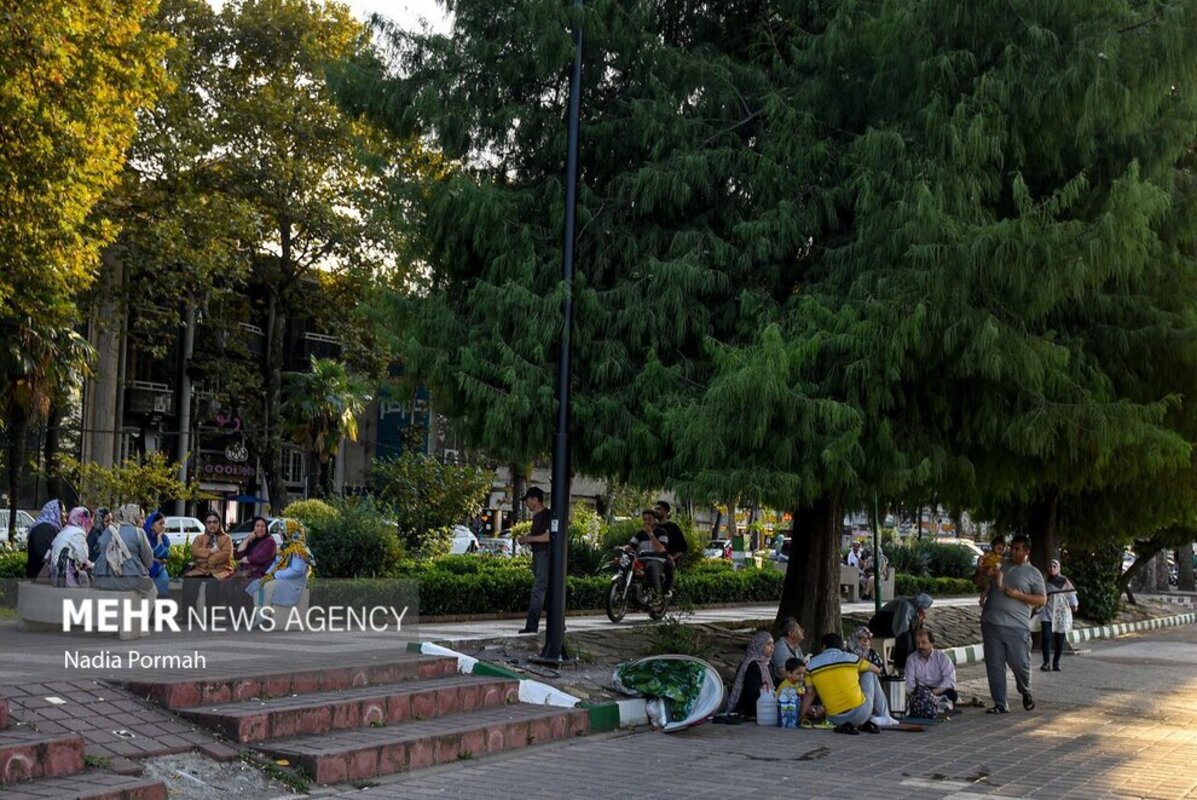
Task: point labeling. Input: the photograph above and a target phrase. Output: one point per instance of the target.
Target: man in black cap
(538, 540)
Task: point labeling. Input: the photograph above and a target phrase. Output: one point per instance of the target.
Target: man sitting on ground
(787, 647)
(930, 678)
(848, 688)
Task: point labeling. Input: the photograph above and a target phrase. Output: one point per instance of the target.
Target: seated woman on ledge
(211, 560)
(284, 582)
(67, 559)
(126, 555)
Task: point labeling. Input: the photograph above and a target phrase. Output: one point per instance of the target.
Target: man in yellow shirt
(848, 688)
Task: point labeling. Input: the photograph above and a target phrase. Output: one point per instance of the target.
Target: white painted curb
(973, 653)
(531, 691)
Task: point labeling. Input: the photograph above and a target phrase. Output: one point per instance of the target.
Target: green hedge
(505, 587)
(12, 564)
(910, 585)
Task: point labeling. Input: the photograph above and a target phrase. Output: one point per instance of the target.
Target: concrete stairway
(349, 724)
(36, 765)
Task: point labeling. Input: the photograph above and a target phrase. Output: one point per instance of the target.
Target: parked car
(183, 530)
(718, 548)
(500, 546)
(277, 526)
(464, 541)
(968, 543)
(24, 523)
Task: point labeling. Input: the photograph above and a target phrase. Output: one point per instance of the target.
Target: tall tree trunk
(315, 474)
(715, 526)
(18, 433)
(1184, 567)
(811, 592)
(272, 367)
(519, 483)
(53, 444)
(1042, 517)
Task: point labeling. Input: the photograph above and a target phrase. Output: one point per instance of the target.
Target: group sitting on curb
(126, 551)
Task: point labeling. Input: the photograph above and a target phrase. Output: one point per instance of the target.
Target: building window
(293, 466)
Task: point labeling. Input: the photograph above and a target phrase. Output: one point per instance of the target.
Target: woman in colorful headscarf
(753, 677)
(284, 582)
(254, 556)
(125, 555)
(861, 645)
(155, 533)
(69, 562)
(41, 534)
(1056, 617)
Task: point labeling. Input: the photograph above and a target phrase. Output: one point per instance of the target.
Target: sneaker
(884, 722)
(847, 728)
(1028, 702)
(997, 710)
(870, 727)
(1056, 668)
(526, 630)
(1045, 668)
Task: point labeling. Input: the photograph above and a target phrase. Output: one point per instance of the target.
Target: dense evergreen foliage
(933, 249)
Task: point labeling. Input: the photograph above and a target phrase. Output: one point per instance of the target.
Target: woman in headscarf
(41, 535)
(753, 677)
(155, 533)
(211, 560)
(1056, 617)
(69, 564)
(254, 555)
(283, 583)
(861, 645)
(126, 555)
(102, 520)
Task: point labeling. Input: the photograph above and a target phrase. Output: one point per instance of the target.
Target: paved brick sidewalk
(111, 720)
(1119, 722)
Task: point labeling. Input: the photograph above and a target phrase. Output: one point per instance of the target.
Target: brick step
(259, 720)
(90, 785)
(26, 754)
(368, 752)
(179, 693)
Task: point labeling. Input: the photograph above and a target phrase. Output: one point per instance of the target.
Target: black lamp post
(554, 647)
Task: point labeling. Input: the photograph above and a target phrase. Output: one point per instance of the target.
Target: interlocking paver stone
(1119, 722)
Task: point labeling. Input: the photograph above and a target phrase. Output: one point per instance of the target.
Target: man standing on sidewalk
(1006, 624)
(538, 540)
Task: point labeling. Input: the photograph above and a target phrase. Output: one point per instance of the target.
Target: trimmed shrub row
(910, 585)
(507, 590)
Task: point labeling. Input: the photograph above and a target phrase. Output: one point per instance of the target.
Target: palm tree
(321, 410)
(37, 363)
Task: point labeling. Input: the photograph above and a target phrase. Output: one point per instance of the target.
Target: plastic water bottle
(766, 709)
(787, 705)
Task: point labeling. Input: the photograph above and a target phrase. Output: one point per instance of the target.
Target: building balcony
(146, 398)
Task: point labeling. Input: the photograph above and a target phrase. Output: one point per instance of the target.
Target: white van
(183, 530)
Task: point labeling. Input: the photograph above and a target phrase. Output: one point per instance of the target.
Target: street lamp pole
(554, 647)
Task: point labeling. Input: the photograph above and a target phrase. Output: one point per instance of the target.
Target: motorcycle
(630, 587)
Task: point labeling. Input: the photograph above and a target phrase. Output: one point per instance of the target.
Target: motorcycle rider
(651, 545)
(675, 541)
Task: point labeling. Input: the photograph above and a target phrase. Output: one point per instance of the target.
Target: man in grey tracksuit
(1006, 625)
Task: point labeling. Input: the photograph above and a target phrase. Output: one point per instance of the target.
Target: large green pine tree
(667, 251)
